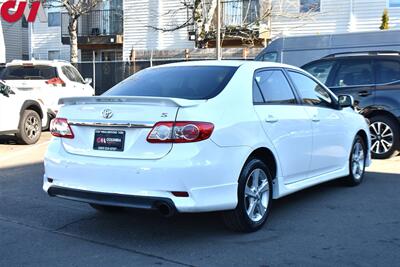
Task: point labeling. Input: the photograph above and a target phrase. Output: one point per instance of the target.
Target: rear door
(285, 122)
(354, 76)
(330, 141)
(387, 91)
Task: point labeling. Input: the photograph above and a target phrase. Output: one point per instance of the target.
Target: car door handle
(315, 118)
(364, 93)
(271, 119)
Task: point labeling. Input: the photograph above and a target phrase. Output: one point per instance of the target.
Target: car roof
(53, 63)
(230, 63)
(354, 56)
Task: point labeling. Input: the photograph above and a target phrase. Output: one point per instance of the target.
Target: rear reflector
(59, 127)
(180, 194)
(180, 132)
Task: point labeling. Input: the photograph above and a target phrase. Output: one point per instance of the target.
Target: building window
(239, 12)
(24, 22)
(54, 54)
(394, 3)
(54, 19)
(310, 6)
(25, 57)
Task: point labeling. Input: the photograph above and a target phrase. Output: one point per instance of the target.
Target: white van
(300, 50)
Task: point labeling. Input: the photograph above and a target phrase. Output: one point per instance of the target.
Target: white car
(22, 114)
(205, 136)
(48, 80)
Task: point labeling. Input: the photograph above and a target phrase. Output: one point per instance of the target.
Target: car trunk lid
(125, 120)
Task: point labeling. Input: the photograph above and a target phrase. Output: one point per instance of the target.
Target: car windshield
(29, 72)
(188, 82)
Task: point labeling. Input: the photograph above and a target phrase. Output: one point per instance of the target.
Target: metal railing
(96, 23)
(240, 12)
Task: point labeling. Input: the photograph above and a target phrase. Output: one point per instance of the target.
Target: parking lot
(327, 225)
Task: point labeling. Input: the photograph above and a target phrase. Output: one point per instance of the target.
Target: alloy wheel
(32, 127)
(256, 195)
(358, 160)
(381, 137)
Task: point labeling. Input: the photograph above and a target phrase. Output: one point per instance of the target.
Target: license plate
(107, 140)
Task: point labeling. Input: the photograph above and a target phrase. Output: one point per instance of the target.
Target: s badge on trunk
(107, 113)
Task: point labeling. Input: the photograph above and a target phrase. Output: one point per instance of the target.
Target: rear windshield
(29, 73)
(188, 82)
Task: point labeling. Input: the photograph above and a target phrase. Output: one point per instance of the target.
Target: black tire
(356, 163)
(377, 149)
(238, 219)
(30, 128)
(105, 208)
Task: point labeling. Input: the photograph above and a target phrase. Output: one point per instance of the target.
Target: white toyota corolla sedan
(226, 136)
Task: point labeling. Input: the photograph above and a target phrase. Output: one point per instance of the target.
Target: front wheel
(357, 161)
(254, 198)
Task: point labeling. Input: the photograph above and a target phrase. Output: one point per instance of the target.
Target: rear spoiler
(140, 100)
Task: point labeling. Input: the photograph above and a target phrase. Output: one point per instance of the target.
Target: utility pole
(218, 42)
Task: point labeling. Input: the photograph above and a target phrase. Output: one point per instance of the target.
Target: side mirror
(88, 80)
(346, 101)
(6, 90)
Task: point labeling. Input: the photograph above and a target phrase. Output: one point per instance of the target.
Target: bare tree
(74, 9)
(255, 18)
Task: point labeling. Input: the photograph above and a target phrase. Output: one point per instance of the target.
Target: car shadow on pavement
(146, 224)
(8, 140)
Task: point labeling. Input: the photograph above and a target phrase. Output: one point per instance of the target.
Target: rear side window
(320, 70)
(270, 57)
(274, 87)
(387, 71)
(36, 72)
(310, 91)
(354, 73)
(188, 82)
(72, 74)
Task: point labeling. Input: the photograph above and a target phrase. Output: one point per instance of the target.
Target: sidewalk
(12, 155)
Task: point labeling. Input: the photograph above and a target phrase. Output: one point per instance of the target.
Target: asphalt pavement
(327, 225)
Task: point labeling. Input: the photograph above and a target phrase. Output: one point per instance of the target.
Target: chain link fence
(106, 74)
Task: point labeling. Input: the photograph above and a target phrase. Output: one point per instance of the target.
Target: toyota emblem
(107, 113)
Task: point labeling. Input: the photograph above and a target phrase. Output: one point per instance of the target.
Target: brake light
(180, 132)
(59, 127)
(56, 81)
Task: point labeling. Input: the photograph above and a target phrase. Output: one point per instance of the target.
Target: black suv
(373, 79)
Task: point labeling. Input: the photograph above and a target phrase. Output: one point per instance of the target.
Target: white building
(335, 16)
(118, 27)
(14, 43)
(45, 37)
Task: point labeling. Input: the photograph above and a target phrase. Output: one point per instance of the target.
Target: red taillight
(59, 127)
(180, 132)
(56, 81)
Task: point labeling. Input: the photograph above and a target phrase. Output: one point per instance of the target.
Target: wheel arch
(268, 157)
(32, 105)
(364, 136)
(381, 112)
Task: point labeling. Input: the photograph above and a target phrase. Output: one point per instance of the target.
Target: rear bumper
(128, 201)
(208, 173)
